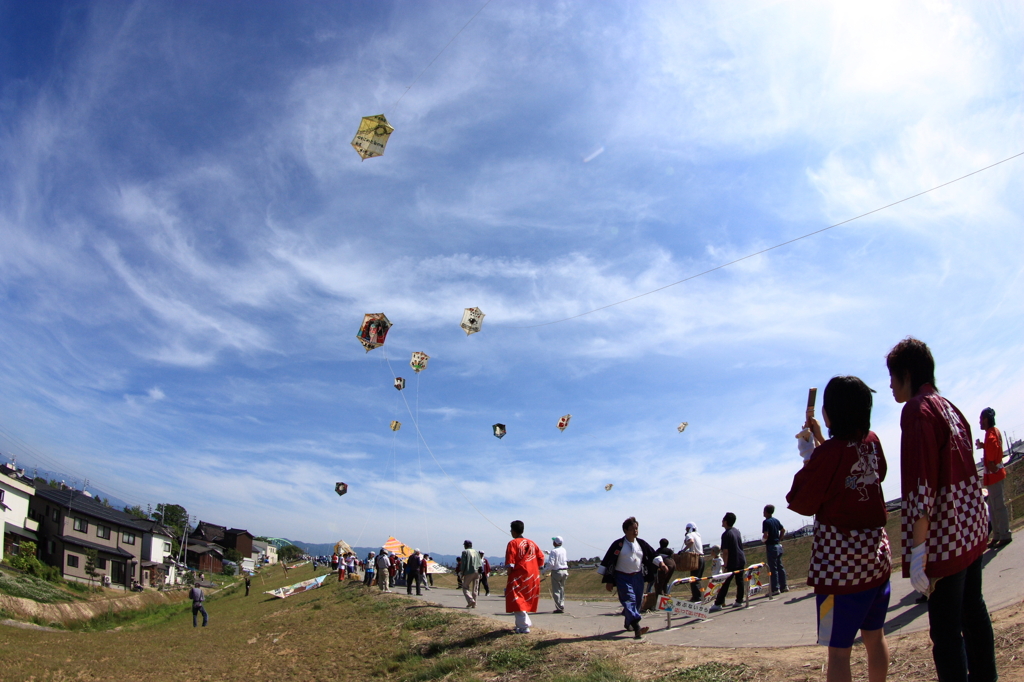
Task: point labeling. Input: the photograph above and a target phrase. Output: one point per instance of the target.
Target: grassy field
(345, 631)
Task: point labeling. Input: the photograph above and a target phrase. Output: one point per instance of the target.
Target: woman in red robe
(523, 559)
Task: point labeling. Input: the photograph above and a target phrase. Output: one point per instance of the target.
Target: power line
(772, 248)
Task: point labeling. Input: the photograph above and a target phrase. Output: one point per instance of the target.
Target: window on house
(117, 572)
(51, 547)
(81, 525)
(2, 491)
(167, 547)
(103, 532)
(72, 561)
(128, 538)
(55, 514)
(101, 563)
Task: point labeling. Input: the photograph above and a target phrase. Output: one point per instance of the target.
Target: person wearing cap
(412, 568)
(993, 479)
(558, 564)
(383, 565)
(470, 566)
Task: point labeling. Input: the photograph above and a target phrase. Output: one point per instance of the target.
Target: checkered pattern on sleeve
(959, 524)
(844, 561)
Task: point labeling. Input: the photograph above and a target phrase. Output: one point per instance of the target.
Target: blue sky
(188, 244)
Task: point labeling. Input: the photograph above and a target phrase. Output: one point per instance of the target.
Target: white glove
(918, 579)
(805, 444)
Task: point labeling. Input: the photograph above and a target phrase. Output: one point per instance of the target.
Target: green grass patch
(151, 615)
(36, 589)
(504, 660)
(429, 620)
(712, 672)
(598, 671)
(440, 668)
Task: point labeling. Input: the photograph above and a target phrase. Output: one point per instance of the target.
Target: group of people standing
(385, 567)
(944, 523)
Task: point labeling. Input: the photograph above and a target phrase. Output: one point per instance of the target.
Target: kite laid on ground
(399, 383)
(609, 486)
(499, 430)
(373, 330)
(341, 488)
(396, 425)
(682, 427)
(372, 136)
(472, 320)
(563, 422)
(419, 361)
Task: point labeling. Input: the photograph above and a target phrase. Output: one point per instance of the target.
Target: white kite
(472, 320)
(372, 136)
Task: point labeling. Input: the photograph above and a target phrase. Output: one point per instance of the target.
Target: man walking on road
(470, 566)
(558, 564)
(735, 560)
(772, 533)
(524, 559)
(412, 568)
(624, 566)
(197, 597)
(994, 476)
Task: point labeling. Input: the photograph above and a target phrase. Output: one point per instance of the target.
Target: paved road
(787, 620)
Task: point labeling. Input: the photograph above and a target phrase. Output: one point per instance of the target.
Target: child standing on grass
(841, 486)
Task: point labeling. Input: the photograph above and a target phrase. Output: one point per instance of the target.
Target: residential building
(16, 521)
(72, 522)
(157, 567)
(264, 552)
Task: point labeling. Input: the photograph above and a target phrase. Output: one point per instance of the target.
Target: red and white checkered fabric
(959, 520)
(845, 561)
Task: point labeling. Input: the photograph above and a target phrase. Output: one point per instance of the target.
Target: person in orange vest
(994, 475)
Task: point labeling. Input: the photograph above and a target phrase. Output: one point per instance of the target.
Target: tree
(90, 564)
(232, 554)
(173, 516)
(136, 511)
(289, 553)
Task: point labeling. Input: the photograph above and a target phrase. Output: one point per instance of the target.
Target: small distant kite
(399, 383)
(472, 320)
(419, 361)
(609, 486)
(373, 330)
(682, 427)
(341, 488)
(372, 136)
(563, 422)
(499, 430)
(396, 425)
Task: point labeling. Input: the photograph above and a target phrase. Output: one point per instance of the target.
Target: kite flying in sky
(341, 488)
(609, 486)
(472, 320)
(372, 136)
(419, 361)
(499, 430)
(563, 422)
(682, 427)
(396, 425)
(373, 330)
(399, 383)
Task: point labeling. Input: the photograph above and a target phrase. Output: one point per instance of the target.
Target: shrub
(25, 560)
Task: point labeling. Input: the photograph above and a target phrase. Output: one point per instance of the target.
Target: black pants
(961, 631)
(695, 586)
(483, 582)
(739, 590)
(410, 579)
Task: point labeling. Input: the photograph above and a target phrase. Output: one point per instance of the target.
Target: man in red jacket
(994, 476)
(944, 521)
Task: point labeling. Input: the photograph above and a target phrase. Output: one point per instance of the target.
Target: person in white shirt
(558, 564)
(624, 566)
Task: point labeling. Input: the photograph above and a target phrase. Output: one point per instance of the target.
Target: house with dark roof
(208, 543)
(71, 522)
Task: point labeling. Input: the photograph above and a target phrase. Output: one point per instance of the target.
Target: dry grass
(348, 631)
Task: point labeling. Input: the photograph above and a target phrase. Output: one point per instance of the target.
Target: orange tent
(404, 551)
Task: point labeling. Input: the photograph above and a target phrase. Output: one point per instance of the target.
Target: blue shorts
(841, 616)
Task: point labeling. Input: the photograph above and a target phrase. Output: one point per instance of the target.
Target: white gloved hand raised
(918, 579)
(805, 444)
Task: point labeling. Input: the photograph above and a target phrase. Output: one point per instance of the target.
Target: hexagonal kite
(563, 422)
(373, 330)
(682, 427)
(396, 425)
(399, 383)
(472, 320)
(372, 136)
(418, 362)
(499, 430)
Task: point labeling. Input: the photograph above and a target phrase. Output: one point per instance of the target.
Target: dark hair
(467, 543)
(770, 508)
(518, 527)
(989, 415)
(912, 358)
(629, 522)
(730, 519)
(847, 402)
(663, 542)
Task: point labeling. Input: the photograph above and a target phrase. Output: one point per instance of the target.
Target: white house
(156, 552)
(15, 493)
(263, 552)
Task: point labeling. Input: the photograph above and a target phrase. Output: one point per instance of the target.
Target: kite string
(431, 453)
(416, 80)
(772, 248)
